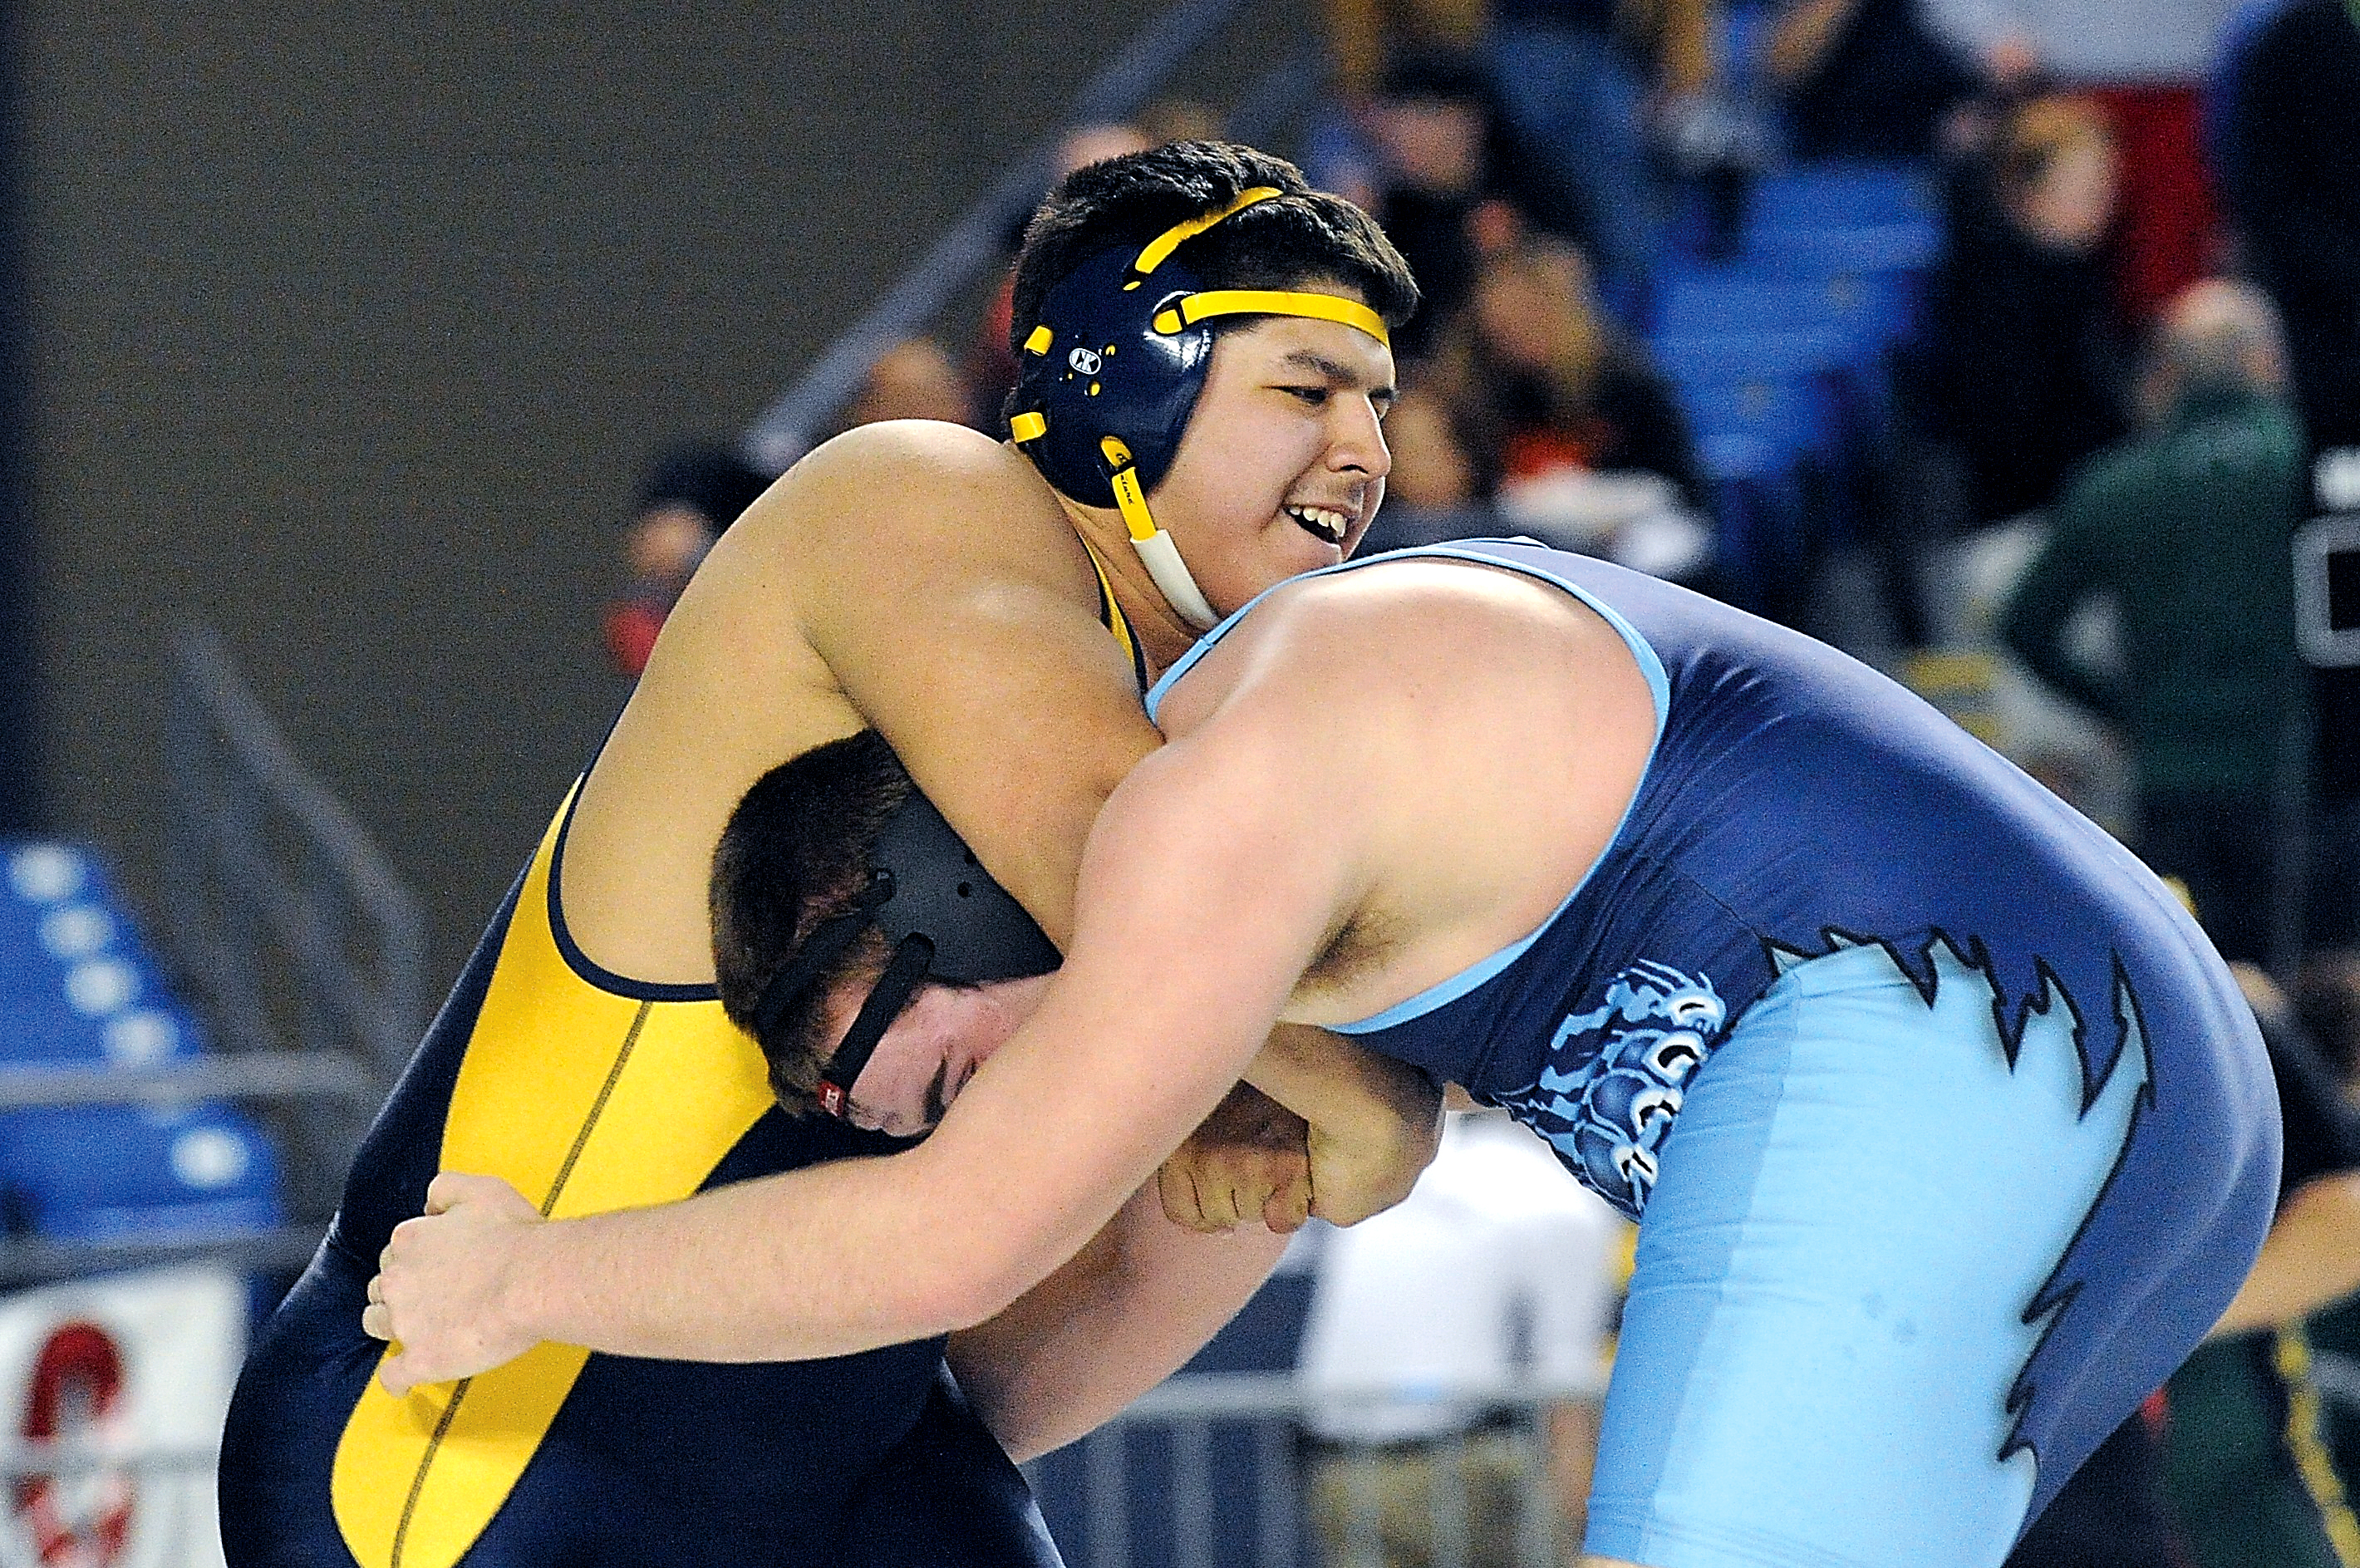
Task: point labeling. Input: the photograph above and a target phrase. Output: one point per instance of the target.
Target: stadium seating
(78, 987)
(1783, 357)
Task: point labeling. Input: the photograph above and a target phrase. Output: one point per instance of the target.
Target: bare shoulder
(1469, 736)
(902, 452)
(916, 484)
(1445, 639)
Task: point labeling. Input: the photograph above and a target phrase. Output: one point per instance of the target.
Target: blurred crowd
(2004, 346)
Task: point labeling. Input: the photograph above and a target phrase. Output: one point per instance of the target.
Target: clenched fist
(1249, 1161)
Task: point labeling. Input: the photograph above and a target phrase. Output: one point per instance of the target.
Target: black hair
(1127, 201)
(796, 852)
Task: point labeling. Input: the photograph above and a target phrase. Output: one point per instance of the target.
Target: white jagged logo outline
(1609, 1114)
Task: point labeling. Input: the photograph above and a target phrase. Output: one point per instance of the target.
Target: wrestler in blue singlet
(1950, 1133)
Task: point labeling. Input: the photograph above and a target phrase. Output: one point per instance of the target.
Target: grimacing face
(1283, 465)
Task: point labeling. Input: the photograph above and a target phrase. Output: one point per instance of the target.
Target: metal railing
(790, 426)
(268, 876)
(1207, 1471)
(336, 1080)
(1194, 1515)
(305, 951)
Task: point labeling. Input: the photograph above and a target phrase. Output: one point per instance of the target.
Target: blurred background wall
(351, 325)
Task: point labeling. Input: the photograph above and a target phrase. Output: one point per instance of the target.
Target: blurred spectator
(1431, 495)
(1442, 182)
(2186, 528)
(2025, 351)
(1579, 82)
(1431, 472)
(688, 497)
(2290, 127)
(2327, 1003)
(1567, 431)
(1365, 36)
(1429, 1301)
(915, 379)
(2121, 41)
(2291, 130)
(1866, 79)
(1168, 120)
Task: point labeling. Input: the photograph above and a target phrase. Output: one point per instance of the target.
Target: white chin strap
(1172, 580)
(1156, 551)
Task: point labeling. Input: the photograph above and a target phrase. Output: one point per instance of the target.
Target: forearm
(817, 1263)
(1374, 1122)
(1129, 1310)
(2310, 1259)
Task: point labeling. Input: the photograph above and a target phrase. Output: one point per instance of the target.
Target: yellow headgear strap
(1156, 551)
(1128, 498)
(1159, 249)
(1194, 307)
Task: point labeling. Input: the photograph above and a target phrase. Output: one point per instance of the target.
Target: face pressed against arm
(969, 635)
(1342, 756)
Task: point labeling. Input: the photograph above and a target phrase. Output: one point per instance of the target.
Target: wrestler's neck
(1163, 636)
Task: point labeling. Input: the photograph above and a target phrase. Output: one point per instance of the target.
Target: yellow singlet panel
(587, 1101)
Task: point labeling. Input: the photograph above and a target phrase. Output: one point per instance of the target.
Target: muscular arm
(1150, 1289)
(1222, 867)
(958, 612)
(1374, 1123)
(974, 646)
(1186, 950)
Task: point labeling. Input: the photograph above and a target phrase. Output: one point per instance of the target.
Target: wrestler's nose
(1356, 441)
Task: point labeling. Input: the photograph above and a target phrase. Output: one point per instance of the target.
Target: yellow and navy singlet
(589, 1092)
(1111, 617)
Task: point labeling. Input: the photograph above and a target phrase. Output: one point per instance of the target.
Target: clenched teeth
(1327, 523)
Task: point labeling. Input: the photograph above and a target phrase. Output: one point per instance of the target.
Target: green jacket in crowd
(2187, 529)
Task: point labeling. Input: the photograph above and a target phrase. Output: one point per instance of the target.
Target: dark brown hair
(1128, 201)
(796, 852)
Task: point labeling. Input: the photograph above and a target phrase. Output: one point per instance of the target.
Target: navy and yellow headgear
(947, 921)
(1110, 377)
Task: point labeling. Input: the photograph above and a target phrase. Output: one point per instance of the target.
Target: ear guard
(1110, 375)
(946, 919)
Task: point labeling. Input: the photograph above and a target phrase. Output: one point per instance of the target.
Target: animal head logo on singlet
(1607, 1099)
